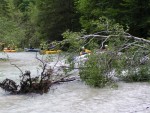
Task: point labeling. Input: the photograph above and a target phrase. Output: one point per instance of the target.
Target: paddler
(84, 51)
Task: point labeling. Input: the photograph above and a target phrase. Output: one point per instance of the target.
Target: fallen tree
(127, 57)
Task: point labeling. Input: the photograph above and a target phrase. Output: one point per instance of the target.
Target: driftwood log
(39, 84)
(28, 84)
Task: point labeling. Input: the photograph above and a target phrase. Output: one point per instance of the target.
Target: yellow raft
(6, 50)
(86, 51)
(50, 51)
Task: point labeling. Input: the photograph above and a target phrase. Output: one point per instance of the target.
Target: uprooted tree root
(39, 84)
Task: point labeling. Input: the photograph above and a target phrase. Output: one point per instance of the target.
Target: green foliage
(105, 24)
(136, 65)
(140, 74)
(122, 55)
(138, 16)
(3, 8)
(10, 32)
(44, 45)
(96, 69)
(74, 40)
(91, 44)
(18, 26)
(132, 65)
(55, 17)
(48, 19)
(88, 11)
(33, 12)
(134, 13)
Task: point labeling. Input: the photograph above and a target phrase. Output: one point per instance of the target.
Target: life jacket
(86, 51)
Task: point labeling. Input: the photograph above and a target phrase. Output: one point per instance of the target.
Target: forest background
(24, 22)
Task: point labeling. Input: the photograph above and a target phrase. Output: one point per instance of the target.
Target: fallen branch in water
(30, 84)
(38, 84)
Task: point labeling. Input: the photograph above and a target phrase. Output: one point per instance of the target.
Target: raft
(49, 52)
(31, 50)
(52, 51)
(86, 52)
(7, 50)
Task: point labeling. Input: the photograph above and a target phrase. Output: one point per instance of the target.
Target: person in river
(51, 47)
(84, 51)
(105, 48)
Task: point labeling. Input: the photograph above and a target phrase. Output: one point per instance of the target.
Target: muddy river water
(71, 97)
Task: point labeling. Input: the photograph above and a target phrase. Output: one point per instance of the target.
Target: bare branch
(138, 39)
(126, 35)
(17, 67)
(95, 36)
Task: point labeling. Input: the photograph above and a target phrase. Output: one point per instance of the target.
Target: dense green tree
(137, 16)
(28, 11)
(55, 17)
(10, 32)
(89, 11)
(48, 19)
(22, 4)
(134, 13)
(3, 8)
(92, 10)
(18, 14)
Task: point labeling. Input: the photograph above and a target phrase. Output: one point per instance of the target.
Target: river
(71, 97)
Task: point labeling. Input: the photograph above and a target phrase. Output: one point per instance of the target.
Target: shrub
(96, 70)
(140, 73)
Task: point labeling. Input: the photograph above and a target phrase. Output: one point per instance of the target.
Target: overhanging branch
(126, 35)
